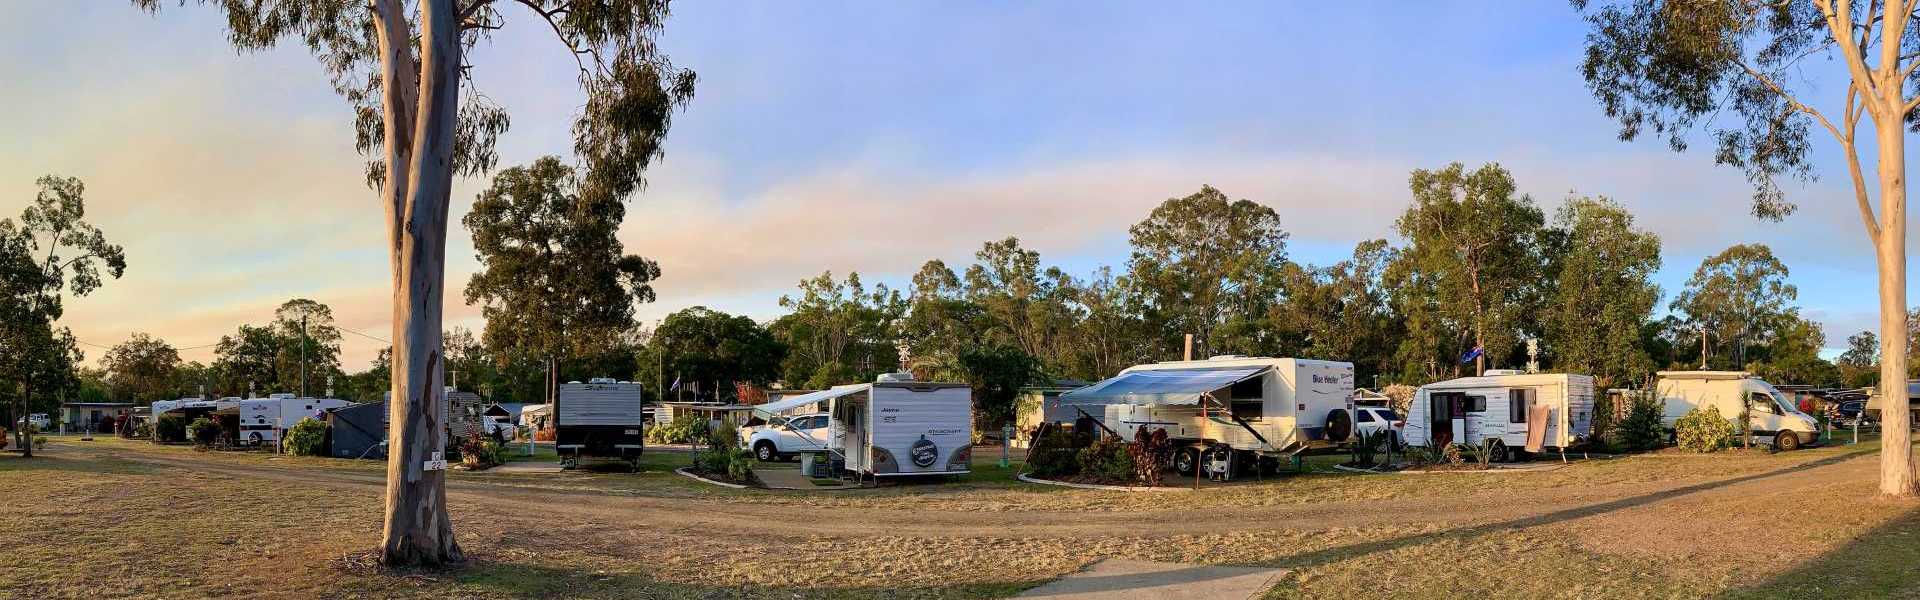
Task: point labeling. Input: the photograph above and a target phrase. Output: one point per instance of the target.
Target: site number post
(1006, 446)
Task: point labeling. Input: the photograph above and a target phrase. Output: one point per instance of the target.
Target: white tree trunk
(417, 529)
(1896, 445)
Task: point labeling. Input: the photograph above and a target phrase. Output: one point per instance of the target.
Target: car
(787, 438)
(1371, 419)
(40, 421)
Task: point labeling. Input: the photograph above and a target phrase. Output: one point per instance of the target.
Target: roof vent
(1498, 372)
(891, 377)
(1228, 357)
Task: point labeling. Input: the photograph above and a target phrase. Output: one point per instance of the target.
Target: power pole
(303, 356)
(1703, 346)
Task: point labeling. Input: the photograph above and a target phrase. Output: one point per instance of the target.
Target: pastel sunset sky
(866, 137)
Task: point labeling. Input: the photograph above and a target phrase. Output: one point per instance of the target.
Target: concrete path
(1118, 579)
(528, 467)
(789, 479)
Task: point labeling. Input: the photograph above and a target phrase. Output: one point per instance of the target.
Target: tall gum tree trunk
(417, 530)
(1896, 452)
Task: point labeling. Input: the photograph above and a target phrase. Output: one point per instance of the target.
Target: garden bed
(689, 473)
(1094, 483)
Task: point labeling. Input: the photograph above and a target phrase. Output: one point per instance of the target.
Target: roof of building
(97, 404)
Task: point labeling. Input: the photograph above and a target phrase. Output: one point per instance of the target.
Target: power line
(377, 339)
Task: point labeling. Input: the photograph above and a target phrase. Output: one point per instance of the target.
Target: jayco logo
(924, 452)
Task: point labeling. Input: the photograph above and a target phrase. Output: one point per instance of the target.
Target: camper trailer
(599, 419)
(1772, 414)
(893, 427)
(1508, 410)
(1242, 412)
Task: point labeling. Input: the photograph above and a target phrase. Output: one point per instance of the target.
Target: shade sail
(1172, 386)
(774, 408)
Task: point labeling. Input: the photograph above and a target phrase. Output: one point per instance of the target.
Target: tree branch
(1840, 24)
(1791, 101)
(548, 16)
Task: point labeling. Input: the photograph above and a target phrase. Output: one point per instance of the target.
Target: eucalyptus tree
(1738, 70)
(1209, 266)
(1471, 262)
(554, 279)
(403, 69)
(1738, 297)
(53, 250)
(143, 368)
(309, 343)
(1602, 292)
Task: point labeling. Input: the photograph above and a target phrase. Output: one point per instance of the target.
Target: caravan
(892, 427)
(1505, 410)
(1245, 411)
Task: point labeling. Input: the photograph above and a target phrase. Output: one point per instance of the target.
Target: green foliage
(1451, 454)
(307, 438)
(1055, 454)
(1704, 430)
(683, 429)
(724, 457)
(142, 368)
(170, 428)
(997, 373)
(1343, 311)
(700, 344)
(1209, 266)
(1107, 459)
(1641, 429)
(1367, 446)
(1741, 296)
(203, 432)
(481, 452)
(1602, 293)
(554, 279)
(1150, 453)
(39, 442)
(1471, 268)
(1603, 427)
(838, 332)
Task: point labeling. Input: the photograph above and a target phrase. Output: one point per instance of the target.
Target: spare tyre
(1339, 425)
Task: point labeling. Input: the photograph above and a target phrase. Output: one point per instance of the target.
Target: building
(76, 417)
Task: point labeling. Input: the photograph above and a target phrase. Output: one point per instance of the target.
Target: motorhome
(1773, 416)
(1508, 412)
(263, 421)
(599, 419)
(894, 426)
(1240, 412)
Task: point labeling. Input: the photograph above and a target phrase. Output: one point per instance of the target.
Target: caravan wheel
(1500, 452)
(1186, 460)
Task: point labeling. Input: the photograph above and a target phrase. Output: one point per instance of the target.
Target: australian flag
(1470, 355)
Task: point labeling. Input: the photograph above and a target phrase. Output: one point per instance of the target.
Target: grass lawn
(112, 518)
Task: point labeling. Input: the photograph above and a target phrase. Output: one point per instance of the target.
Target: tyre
(1186, 461)
(765, 452)
(1786, 441)
(1339, 425)
(1500, 453)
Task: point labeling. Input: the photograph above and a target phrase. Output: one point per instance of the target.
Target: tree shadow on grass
(1340, 553)
(44, 461)
(517, 580)
(1878, 564)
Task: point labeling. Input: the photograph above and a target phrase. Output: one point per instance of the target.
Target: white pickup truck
(800, 433)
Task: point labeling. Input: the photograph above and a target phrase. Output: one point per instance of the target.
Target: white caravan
(263, 421)
(1248, 411)
(894, 427)
(1515, 410)
(1773, 415)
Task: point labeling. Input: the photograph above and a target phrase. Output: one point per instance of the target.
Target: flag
(1470, 355)
(676, 384)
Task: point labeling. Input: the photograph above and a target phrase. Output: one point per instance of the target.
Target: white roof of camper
(1704, 374)
(774, 408)
(1160, 386)
(1502, 380)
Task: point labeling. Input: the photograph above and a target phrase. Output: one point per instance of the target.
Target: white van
(1774, 416)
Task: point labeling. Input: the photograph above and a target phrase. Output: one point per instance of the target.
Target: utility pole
(303, 356)
(1703, 346)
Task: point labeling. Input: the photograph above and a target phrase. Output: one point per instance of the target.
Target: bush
(1367, 445)
(724, 458)
(307, 438)
(204, 432)
(1704, 430)
(1107, 459)
(684, 429)
(40, 443)
(170, 428)
(1150, 451)
(6, 437)
(1641, 429)
(479, 452)
(1055, 453)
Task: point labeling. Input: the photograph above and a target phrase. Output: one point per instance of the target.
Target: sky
(868, 137)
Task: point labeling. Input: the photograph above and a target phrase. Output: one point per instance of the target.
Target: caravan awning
(771, 409)
(1171, 386)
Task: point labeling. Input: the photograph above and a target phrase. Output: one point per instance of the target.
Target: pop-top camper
(601, 418)
(1532, 411)
(895, 426)
(1247, 411)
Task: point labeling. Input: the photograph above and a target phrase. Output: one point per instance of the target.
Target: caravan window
(1518, 402)
(1762, 403)
(1476, 404)
(1366, 416)
(1251, 389)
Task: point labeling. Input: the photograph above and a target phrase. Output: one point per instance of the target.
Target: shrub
(1704, 430)
(684, 429)
(5, 438)
(40, 443)
(1107, 459)
(1451, 455)
(724, 457)
(143, 430)
(170, 428)
(1054, 454)
(480, 452)
(1367, 445)
(307, 438)
(1641, 429)
(1150, 451)
(204, 432)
